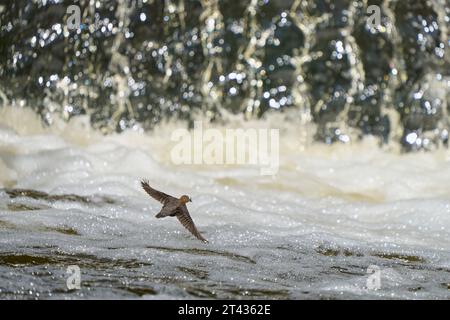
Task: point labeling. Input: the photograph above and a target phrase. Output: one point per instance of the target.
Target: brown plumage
(173, 207)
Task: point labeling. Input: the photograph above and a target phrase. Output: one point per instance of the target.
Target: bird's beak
(190, 199)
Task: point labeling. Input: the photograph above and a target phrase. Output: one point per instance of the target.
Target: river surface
(71, 196)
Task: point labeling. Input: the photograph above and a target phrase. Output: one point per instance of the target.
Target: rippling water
(71, 196)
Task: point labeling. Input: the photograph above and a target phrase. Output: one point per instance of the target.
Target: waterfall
(133, 63)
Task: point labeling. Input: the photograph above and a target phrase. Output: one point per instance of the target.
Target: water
(135, 63)
(364, 173)
(71, 196)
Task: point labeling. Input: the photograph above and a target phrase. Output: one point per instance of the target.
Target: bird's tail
(160, 215)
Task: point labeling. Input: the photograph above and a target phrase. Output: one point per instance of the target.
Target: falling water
(136, 62)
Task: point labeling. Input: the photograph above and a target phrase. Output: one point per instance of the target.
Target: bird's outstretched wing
(155, 194)
(182, 214)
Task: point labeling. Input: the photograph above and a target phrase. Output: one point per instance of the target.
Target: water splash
(136, 62)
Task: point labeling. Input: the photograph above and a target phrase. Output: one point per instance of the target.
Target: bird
(173, 207)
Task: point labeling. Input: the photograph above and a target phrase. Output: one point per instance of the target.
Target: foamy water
(70, 196)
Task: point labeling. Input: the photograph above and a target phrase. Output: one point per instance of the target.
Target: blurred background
(135, 62)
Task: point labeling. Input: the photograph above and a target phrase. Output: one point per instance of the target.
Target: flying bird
(173, 207)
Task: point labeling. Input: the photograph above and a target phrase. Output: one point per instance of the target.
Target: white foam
(355, 196)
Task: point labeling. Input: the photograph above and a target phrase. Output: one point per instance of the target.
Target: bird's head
(185, 199)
